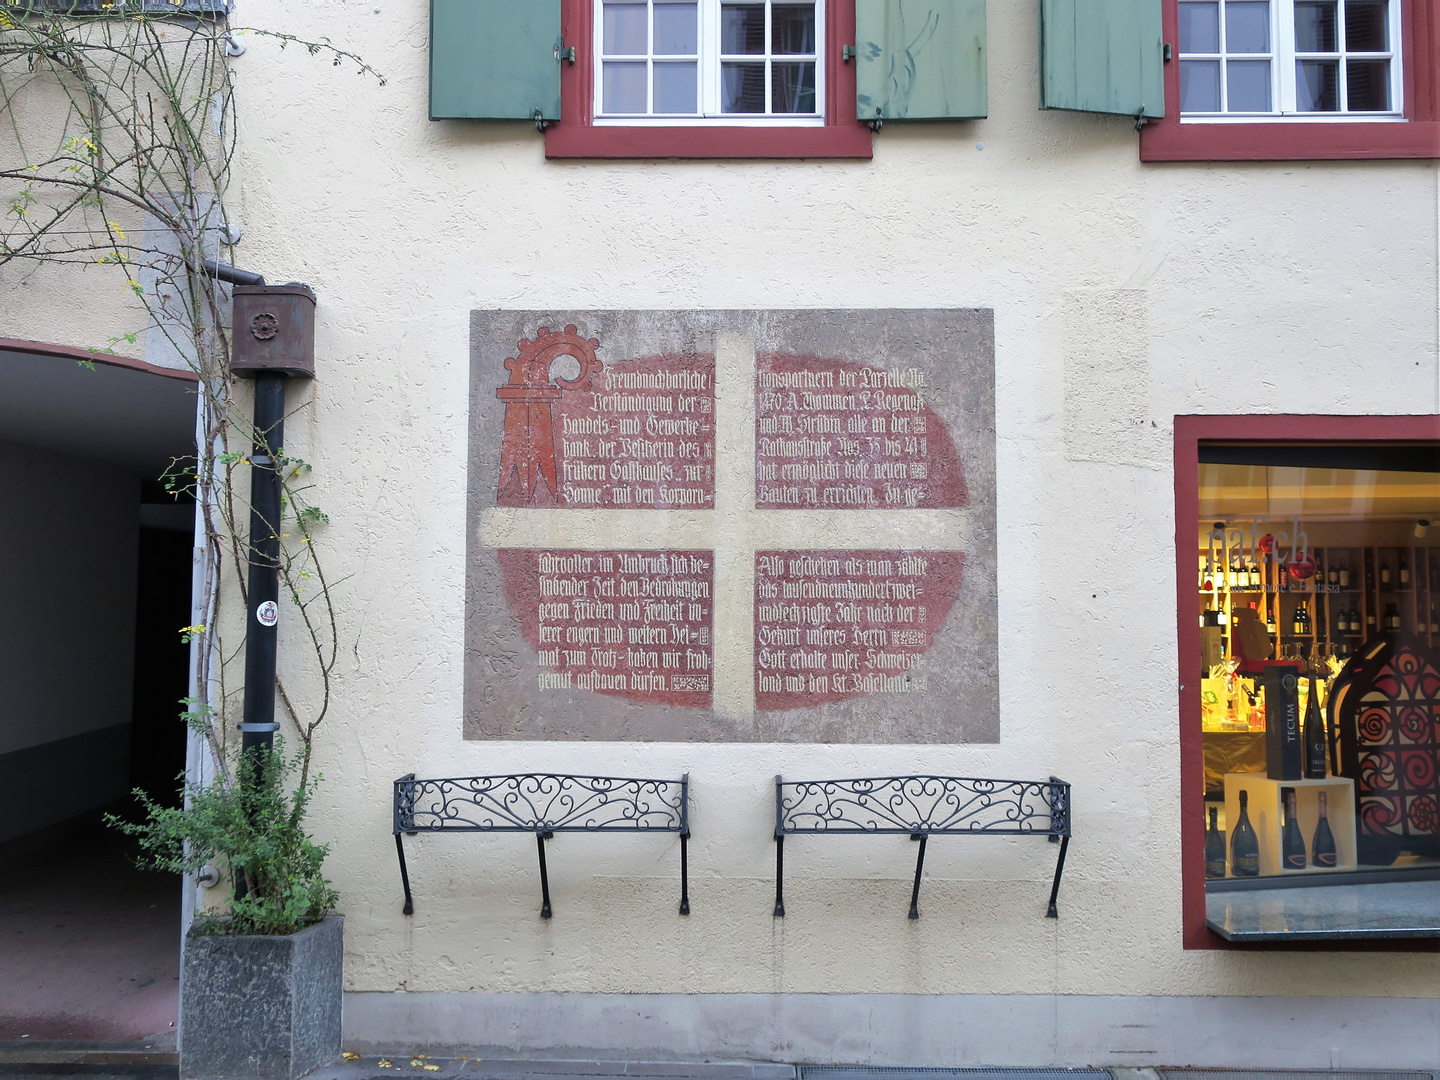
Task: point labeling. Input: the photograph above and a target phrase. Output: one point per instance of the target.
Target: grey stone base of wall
(905, 1029)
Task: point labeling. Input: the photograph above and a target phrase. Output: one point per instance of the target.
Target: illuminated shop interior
(1319, 577)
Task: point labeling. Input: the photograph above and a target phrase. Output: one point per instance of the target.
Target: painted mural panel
(768, 526)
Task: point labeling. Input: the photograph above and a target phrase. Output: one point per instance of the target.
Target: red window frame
(576, 136)
(1418, 136)
(1190, 432)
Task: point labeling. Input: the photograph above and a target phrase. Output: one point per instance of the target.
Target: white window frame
(1283, 55)
(709, 99)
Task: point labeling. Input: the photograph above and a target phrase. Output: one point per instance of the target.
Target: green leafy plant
(253, 827)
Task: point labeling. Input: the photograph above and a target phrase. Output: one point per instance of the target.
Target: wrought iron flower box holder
(543, 804)
(922, 807)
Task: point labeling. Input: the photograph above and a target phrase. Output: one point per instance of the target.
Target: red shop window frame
(1418, 136)
(1190, 432)
(576, 136)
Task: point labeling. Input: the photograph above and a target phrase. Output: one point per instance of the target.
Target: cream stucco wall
(1123, 294)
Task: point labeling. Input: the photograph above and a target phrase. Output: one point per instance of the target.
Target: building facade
(716, 430)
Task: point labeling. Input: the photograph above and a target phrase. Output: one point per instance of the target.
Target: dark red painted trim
(1190, 431)
(69, 352)
(575, 136)
(1418, 137)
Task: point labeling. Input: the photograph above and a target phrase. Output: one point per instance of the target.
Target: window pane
(1367, 85)
(1248, 86)
(792, 88)
(1247, 27)
(624, 87)
(675, 30)
(1317, 85)
(1200, 86)
(742, 29)
(675, 87)
(1366, 26)
(625, 29)
(1199, 27)
(792, 29)
(1315, 26)
(742, 88)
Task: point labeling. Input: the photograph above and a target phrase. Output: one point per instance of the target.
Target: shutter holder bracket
(848, 53)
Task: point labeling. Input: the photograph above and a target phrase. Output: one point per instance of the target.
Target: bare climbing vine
(117, 147)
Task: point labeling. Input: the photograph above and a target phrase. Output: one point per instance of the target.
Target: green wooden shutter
(494, 59)
(920, 59)
(1102, 56)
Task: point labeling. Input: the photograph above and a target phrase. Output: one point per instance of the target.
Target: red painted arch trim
(69, 352)
(1418, 136)
(1190, 432)
(575, 136)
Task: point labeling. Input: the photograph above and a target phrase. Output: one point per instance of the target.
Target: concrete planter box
(261, 1008)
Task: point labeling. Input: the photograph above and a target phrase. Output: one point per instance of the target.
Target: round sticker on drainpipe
(267, 613)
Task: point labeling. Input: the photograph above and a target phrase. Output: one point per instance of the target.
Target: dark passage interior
(95, 576)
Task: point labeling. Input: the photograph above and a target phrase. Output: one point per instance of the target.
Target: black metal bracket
(542, 804)
(921, 807)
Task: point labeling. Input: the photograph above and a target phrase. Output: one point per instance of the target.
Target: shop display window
(1313, 677)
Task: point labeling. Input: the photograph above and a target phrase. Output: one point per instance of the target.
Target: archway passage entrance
(96, 561)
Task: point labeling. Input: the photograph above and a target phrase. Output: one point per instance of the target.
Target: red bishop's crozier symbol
(527, 453)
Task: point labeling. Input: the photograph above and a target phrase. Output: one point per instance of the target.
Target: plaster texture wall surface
(1122, 295)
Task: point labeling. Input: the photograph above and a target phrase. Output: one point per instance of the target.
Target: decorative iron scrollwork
(543, 804)
(921, 807)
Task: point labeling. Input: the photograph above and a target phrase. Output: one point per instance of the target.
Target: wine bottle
(1322, 848)
(1334, 576)
(1254, 575)
(1297, 624)
(1404, 573)
(1434, 621)
(1270, 626)
(1215, 847)
(1292, 844)
(1392, 617)
(1344, 576)
(1244, 843)
(1314, 735)
(1385, 575)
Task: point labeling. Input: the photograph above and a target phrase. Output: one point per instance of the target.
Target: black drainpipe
(272, 341)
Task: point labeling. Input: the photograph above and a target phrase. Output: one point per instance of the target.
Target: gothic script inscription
(636, 624)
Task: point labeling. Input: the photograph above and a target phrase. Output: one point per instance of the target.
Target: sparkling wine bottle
(1323, 846)
(1244, 843)
(1313, 735)
(1292, 844)
(1214, 847)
